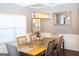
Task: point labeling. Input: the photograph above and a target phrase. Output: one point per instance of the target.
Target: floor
(71, 53)
(66, 53)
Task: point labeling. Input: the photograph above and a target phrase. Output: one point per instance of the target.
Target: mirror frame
(67, 13)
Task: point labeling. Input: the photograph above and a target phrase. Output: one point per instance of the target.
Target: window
(11, 26)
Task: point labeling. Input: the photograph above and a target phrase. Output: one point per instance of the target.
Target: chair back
(33, 37)
(21, 40)
(12, 50)
(50, 48)
(60, 46)
(59, 43)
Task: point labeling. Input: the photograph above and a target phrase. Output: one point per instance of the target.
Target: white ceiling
(38, 5)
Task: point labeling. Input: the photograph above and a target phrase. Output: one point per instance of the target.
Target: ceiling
(39, 5)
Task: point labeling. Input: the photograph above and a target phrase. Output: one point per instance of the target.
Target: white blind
(12, 26)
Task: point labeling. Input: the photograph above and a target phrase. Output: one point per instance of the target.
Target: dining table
(37, 47)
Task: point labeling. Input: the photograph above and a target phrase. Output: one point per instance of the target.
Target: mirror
(61, 18)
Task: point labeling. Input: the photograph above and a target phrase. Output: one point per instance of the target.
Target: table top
(36, 51)
(36, 47)
(31, 50)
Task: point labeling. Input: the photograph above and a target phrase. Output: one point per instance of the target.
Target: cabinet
(40, 15)
(36, 21)
(36, 25)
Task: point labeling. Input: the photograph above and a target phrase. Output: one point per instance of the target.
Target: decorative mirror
(62, 18)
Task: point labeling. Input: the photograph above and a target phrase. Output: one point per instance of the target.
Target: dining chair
(60, 46)
(33, 37)
(51, 51)
(12, 50)
(21, 40)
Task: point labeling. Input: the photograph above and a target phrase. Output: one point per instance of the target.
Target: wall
(16, 9)
(71, 41)
(47, 25)
(78, 18)
(70, 32)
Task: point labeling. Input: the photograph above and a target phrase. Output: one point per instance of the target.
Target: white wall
(16, 9)
(48, 26)
(71, 41)
(70, 32)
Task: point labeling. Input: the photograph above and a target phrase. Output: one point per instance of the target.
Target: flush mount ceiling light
(41, 5)
(38, 5)
(31, 2)
(37, 1)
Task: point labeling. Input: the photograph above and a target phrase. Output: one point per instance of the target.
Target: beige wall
(16, 9)
(78, 18)
(47, 25)
(29, 20)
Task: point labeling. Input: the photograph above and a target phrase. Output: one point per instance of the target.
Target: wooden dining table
(36, 48)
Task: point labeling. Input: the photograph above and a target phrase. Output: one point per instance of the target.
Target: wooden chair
(51, 50)
(33, 37)
(60, 46)
(21, 40)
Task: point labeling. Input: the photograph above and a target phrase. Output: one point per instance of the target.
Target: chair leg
(58, 53)
(63, 49)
